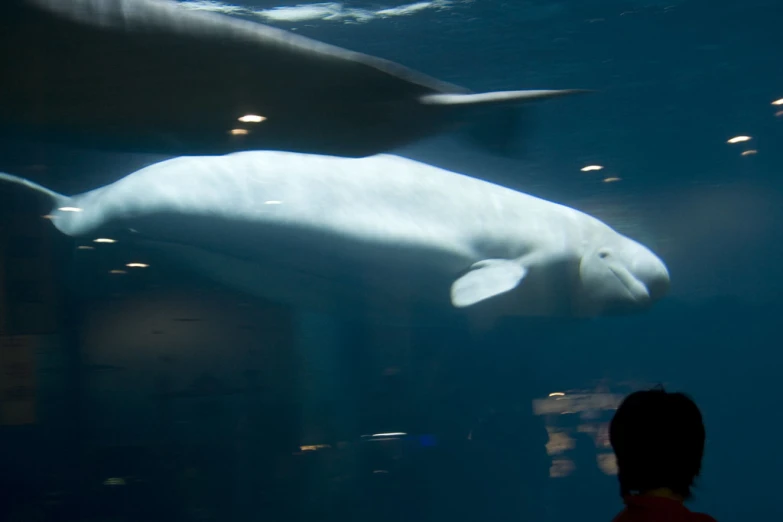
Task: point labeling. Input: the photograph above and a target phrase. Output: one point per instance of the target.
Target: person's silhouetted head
(658, 439)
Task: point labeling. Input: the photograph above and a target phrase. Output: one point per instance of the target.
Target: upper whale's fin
(496, 97)
(63, 211)
(486, 279)
(500, 132)
(57, 199)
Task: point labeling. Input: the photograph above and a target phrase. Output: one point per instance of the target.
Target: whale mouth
(636, 289)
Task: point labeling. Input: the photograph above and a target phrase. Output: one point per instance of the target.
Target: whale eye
(603, 254)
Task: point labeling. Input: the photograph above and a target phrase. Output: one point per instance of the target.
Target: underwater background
(160, 395)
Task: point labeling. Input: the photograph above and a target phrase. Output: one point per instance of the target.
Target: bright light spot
(70, 209)
(738, 139)
(591, 167)
(272, 202)
(556, 394)
(137, 265)
(611, 180)
(314, 447)
(238, 132)
(251, 118)
(84, 247)
(117, 272)
(395, 434)
(778, 102)
(749, 152)
(104, 240)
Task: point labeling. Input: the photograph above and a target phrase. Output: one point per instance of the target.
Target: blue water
(166, 396)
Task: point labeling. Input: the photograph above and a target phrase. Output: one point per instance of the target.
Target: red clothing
(658, 509)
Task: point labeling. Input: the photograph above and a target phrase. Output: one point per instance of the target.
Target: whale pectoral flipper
(495, 97)
(498, 132)
(486, 279)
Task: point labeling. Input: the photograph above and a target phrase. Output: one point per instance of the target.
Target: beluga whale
(326, 232)
(152, 76)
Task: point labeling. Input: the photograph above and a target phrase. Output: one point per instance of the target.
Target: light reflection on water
(579, 411)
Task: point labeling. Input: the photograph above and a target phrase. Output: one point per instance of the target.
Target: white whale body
(337, 233)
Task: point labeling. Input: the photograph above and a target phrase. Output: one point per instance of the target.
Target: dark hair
(658, 439)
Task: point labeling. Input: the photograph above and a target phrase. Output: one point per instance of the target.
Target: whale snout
(659, 285)
(621, 277)
(651, 272)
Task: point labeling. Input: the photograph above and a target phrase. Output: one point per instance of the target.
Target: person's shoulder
(627, 516)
